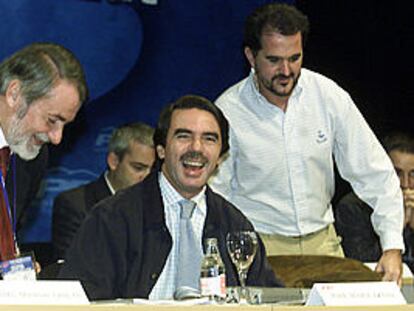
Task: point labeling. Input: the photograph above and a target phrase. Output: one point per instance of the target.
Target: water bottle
(213, 273)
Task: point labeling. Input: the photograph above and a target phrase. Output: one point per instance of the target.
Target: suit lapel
(95, 192)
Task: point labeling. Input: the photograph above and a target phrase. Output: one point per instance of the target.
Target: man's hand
(390, 264)
(408, 198)
(37, 267)
(408, 207)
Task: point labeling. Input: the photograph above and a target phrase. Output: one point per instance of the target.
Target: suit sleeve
(67, 217)
(261, 273)
(29, 175)
(353, 224)
(96, 256)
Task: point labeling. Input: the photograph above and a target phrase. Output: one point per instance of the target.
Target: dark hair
(279, 17)
(123, 135)
(38, 67)
(399, 141)
(189, 102)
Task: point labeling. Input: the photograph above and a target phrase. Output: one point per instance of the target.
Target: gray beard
(20, 143)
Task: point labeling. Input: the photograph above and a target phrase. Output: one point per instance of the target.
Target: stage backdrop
(137, 58)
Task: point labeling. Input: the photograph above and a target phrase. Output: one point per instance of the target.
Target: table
(119, 307)
(408, 292)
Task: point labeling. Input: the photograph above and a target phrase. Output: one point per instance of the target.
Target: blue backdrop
(137, 58)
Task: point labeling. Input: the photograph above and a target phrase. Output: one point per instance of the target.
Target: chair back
(304, 270)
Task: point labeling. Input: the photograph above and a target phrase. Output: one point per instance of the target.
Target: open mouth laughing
(194, 161)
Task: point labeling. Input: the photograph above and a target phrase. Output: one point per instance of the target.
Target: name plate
(355, 294)
(42, 293)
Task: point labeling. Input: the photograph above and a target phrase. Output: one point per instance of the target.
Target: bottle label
(213, 286)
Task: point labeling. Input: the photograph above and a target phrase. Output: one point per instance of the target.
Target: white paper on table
(355, 294)
(42, 292)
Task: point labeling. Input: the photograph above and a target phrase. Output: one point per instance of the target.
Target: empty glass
(242, 247)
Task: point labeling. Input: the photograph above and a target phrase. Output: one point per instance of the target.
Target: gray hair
(122, 136)
(38, 67)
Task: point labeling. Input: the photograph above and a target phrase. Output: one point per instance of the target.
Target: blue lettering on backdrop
(102, 139)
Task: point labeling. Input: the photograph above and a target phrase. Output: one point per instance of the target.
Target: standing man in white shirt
(288, 125)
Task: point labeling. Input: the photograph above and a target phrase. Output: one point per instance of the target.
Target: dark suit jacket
(121, 248)
(70, 209)
(359, 240)
(29, 175)
(353, 224)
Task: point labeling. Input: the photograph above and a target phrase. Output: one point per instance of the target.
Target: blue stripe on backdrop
(107, 38)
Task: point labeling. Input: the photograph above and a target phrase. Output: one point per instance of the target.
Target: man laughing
(130, 245)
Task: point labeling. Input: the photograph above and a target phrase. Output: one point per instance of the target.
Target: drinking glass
(242, 247)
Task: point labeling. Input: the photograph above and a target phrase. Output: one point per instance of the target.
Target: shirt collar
(171, 196)
(297, 90)
(3, 142)
(108, 183)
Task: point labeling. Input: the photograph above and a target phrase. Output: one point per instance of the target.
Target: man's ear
(112, 160)
(250, 56)
(13, 93)
(221, 159)
(160, 152)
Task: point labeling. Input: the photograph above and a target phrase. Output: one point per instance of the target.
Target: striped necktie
(188, 273)
(7, 250)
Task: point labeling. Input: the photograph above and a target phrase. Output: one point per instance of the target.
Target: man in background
(42, 87)
(352, 216)
(288, 126)
(130, 157)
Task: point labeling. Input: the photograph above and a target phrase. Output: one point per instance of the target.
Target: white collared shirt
(108, 183)
(166, 283)
(3, 142)
(280, 167)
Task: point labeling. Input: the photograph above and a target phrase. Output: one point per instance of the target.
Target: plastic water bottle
(213, 273)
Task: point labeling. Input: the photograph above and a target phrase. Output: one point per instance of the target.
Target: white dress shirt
(280, 166)
(166, 283)
(3, 142)
(108, 183)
